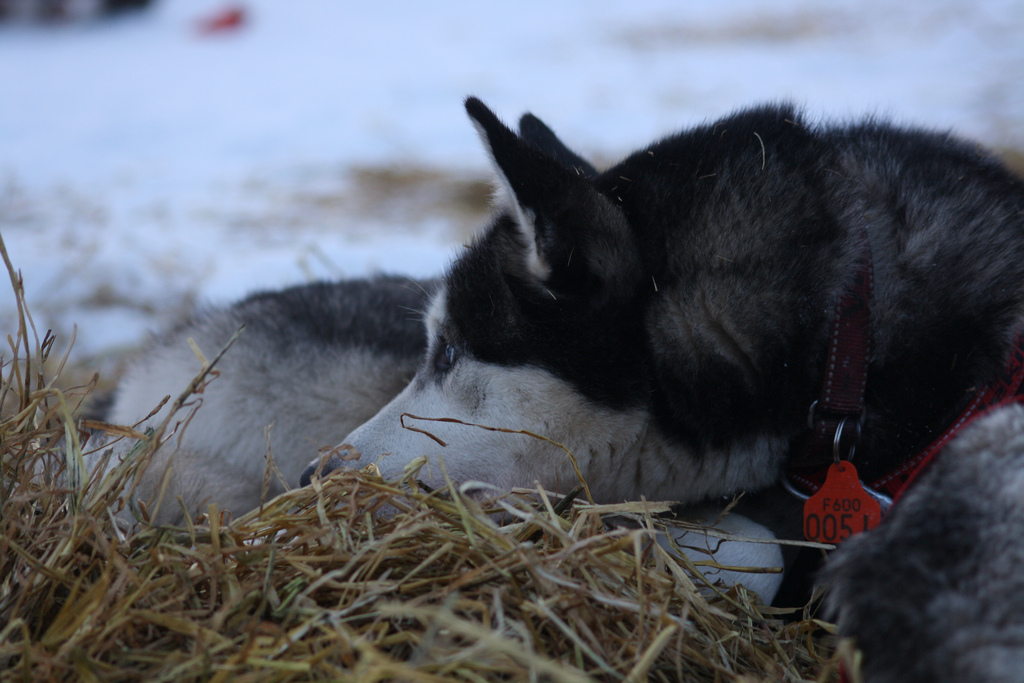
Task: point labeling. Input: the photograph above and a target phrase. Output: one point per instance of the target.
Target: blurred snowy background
(148, 163)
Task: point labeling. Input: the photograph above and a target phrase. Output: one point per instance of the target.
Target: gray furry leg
(936, 592)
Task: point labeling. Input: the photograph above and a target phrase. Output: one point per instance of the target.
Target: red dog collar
(835, 419)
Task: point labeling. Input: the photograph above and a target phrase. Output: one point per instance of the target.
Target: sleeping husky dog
(668, 320)
(671, 322)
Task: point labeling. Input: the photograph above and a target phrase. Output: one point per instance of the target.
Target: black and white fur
(312, 363)
(666, 321)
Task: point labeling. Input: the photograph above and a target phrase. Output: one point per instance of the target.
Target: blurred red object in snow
(230, 18)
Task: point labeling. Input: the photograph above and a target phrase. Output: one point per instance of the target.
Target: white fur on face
(436, 312)
(516, 399)
(483, 398)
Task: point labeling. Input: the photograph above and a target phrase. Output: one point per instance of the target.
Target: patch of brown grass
(365, 197)
(432, 190)
(745, 28)
(1014, 159)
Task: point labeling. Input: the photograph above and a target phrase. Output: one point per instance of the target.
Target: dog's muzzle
(334, 463)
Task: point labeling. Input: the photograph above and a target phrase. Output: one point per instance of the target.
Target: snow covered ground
(144, 166)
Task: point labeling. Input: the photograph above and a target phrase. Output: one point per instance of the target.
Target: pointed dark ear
(536, 132)
(576, 241)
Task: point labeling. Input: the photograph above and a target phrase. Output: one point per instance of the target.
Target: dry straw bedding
(352, 578)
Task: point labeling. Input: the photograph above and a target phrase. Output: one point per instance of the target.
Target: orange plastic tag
(841, 507)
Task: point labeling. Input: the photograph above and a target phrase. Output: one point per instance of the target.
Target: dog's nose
(307, 474)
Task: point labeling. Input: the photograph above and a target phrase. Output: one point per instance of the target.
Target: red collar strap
(1006, 389)
(834, 421)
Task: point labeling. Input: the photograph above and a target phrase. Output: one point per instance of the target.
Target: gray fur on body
(313, 363)
(936, 592)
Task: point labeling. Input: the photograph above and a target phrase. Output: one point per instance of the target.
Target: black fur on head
(710, 262)
(549, 283)
(536, 132)
(577, 242)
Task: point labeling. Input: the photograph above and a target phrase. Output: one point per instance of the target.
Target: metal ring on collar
(839, 437)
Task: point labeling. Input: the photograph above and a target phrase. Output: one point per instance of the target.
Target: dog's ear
(576, 240)
(536, 132)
